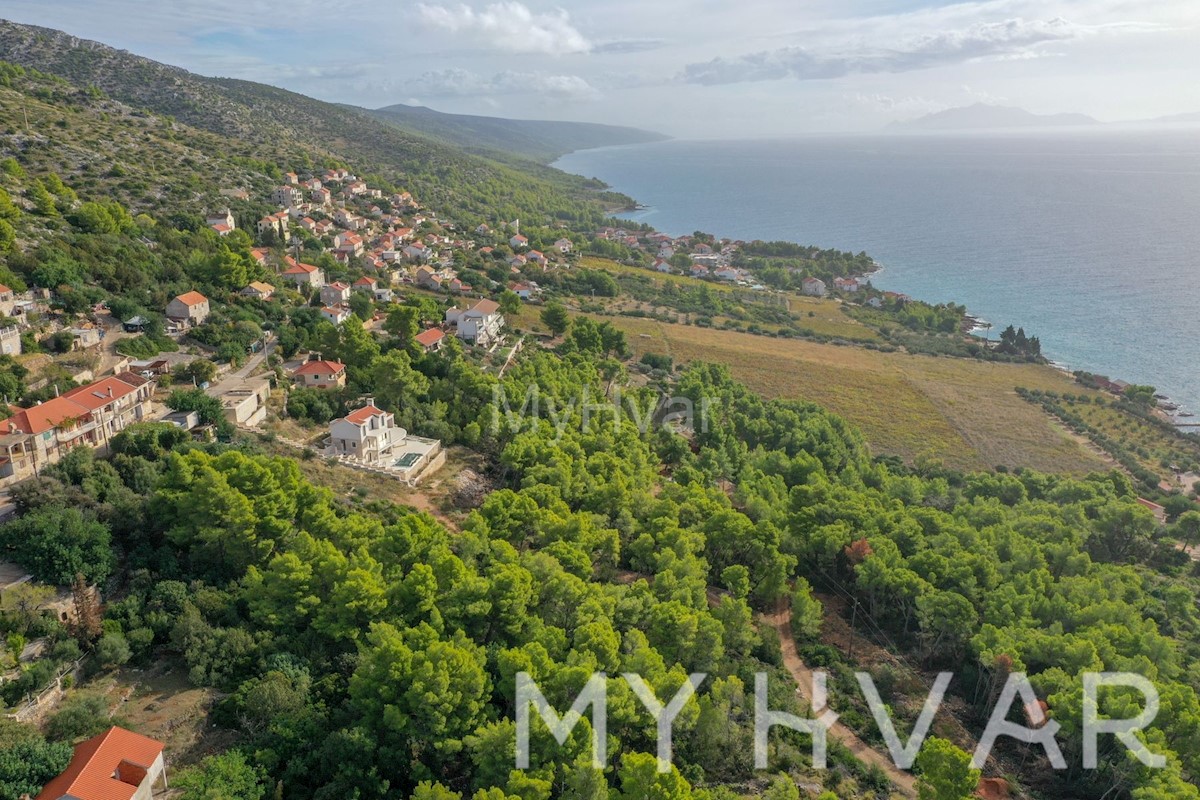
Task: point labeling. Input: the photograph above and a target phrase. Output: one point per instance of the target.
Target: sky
(687, 68)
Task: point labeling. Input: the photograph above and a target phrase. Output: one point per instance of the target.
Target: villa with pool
(370, 436)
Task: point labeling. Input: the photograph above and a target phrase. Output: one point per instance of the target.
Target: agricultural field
(963, 413)
(1156, 449)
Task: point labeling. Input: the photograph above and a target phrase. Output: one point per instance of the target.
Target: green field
(965, 413)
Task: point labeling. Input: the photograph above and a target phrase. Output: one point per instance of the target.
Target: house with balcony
(480, 324)
(320, 374)
(370, 435)
(86, 416)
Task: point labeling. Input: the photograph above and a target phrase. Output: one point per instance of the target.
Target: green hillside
(256, 118)
(540, 140)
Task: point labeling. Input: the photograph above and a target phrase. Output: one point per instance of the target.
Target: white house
(336, 314)
(517, 242)
(368, 434)
(564, 245)
(480, 324)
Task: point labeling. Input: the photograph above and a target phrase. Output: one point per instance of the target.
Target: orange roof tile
(320, 367)
(91, 775)
(99, 394)
(429, 337)
(192, 298)
(359, 416)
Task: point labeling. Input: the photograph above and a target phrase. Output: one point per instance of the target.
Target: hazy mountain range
(983, 116)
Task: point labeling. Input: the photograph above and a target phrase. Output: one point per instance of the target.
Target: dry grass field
(965, 413)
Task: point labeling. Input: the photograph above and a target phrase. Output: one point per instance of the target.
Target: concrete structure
(303, 275)
(116, 765)
(10, 341)
(246, 404)
(89, 415)
(258, 290)
(368, 434)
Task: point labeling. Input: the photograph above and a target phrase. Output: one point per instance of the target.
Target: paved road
(234, 379)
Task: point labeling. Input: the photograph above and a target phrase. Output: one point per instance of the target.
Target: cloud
(1014, 37)
(509, 26)
(621, 46)
(463, 83)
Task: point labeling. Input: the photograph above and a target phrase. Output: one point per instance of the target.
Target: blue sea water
(1089, 240)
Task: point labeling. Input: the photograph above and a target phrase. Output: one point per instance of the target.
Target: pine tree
(43, 201)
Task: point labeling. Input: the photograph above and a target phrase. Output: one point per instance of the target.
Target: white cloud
(1008, 38)
(509, 26)
(464, 83)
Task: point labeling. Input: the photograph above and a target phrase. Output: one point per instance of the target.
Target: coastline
(1177, 413)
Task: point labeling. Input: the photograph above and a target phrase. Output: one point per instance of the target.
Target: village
(388, 247)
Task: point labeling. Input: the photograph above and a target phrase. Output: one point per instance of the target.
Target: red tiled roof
(486, 307)
(320, 367)
(359, 416)
(192, 298)
(430, 337)
(91, 773)
(4, 289)
(99, 394)
(365, 281)
(300, 269)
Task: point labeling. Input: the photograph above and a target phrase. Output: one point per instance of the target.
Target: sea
(1089, 240)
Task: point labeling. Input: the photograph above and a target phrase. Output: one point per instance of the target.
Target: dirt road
(781, 620)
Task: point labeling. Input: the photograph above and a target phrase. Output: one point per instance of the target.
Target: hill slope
(260, 116)
(981, 116)
(539, 140)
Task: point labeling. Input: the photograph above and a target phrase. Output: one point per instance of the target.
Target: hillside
(542, 141)
(257, 116)
(982, 116)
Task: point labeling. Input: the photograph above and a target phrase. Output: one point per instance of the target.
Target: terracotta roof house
(86, 415)
(518, 242)
(303, 274)
(431, 340)
(189, 308)
(116, 765)
(334, 293)
(320, 374)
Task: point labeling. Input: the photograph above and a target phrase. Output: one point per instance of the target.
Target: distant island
(981, 116)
